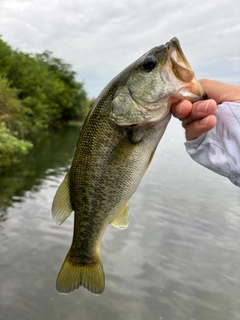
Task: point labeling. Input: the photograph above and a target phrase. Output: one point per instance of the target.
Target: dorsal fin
(62, 207)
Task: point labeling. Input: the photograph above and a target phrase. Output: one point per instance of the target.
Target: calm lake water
(179, 259)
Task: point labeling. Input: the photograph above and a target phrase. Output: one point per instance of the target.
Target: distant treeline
(36, 91)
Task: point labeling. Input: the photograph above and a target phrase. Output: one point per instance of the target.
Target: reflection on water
(55, 149)
(178, 259)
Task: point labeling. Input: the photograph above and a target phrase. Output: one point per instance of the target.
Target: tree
(35, 91)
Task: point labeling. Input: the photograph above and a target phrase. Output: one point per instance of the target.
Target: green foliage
(64, 92)
(12, 112)
(35, 92)
(11, 146)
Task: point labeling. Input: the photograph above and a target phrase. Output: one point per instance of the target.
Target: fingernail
(179, 109)
(204, 121)
(202, 106)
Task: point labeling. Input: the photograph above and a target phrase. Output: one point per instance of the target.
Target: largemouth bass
(115, 147)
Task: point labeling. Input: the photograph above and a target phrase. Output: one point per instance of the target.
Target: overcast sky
(101, 37)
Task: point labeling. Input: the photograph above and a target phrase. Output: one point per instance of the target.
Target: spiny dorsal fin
(62, 207)
(122, 221)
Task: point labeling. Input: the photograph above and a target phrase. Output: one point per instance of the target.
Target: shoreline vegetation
(37, 91)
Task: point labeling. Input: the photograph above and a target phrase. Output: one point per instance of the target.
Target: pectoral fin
(62, 207)
(121, 221)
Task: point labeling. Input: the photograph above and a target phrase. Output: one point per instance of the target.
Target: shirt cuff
(219, 148)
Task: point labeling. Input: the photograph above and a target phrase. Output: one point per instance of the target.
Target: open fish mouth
(180, 65)
(180, 73)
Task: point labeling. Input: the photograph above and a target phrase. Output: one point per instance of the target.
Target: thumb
(220, 91)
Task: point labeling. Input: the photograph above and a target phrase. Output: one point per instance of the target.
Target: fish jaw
(178, 72)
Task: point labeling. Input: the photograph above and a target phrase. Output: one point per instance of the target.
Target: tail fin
(73, 275)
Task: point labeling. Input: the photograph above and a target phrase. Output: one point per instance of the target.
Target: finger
(200, 109)
(196, 128)
(181, 109)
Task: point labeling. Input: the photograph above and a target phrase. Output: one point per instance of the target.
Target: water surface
(178, 259)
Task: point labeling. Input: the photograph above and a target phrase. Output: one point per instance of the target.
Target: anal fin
(122, 219)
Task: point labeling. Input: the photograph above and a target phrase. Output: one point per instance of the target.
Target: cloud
(100, 38)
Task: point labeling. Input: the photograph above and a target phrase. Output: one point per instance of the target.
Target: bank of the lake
(36, 91)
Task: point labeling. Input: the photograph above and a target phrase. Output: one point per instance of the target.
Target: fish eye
(149, 63)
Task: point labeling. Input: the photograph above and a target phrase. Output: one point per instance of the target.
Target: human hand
(198, 118)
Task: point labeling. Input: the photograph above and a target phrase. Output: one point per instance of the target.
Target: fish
(115, 147)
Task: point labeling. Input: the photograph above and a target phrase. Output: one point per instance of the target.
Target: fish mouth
(181, 75)
(180, 65)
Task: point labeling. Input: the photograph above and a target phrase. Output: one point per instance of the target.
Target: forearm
(219, 148)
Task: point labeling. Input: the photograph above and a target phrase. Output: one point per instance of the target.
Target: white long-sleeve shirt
(219, 148)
